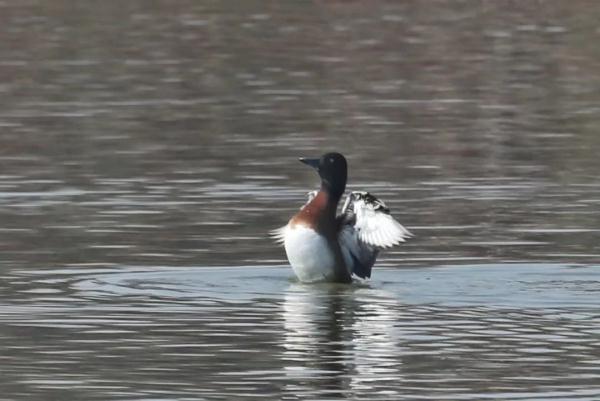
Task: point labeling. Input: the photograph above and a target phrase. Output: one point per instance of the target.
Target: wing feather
(278, 235)
(359, 257)
(374, 224)
(367, 227)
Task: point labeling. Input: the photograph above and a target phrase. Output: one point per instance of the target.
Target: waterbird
(323, 246)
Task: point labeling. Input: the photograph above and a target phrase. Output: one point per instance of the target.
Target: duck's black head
(333, 170)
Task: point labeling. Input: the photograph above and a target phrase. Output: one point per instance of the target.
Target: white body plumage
(366, 227)
(309, 253)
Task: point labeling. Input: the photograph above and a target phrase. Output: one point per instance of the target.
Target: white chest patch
(309, 254)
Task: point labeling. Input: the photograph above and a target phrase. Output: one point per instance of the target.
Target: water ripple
(453, 332)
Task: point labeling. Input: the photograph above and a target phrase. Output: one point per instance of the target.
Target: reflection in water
(315, 338)
(344, 342)
(338, 339)
(233, 332)
(139, 140)
(377, 342)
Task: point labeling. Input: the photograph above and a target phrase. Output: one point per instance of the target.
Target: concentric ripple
(505, 331)
(508, 285)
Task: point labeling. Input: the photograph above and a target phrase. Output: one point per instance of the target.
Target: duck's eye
(331, 160)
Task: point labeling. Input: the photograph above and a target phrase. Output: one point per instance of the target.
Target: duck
(324, 246)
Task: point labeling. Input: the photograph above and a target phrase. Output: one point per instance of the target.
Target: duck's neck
(333, 191)
(323, 204)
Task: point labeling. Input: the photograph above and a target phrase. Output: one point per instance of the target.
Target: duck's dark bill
(314, 163)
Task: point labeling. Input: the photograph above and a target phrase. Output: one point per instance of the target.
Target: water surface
(147, 148)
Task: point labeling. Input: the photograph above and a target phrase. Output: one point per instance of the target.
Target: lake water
(147, 148)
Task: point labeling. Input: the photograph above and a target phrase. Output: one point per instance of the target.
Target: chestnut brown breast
(318, 214)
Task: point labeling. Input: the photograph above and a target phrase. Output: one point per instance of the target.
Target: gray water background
(146, 149)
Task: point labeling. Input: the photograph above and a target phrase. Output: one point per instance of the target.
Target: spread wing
(366, 228)
(372, 221)
(278, 234)
(359, 257)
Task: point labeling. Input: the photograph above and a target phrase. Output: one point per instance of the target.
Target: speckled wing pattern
(367, 227)
(373, 222)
